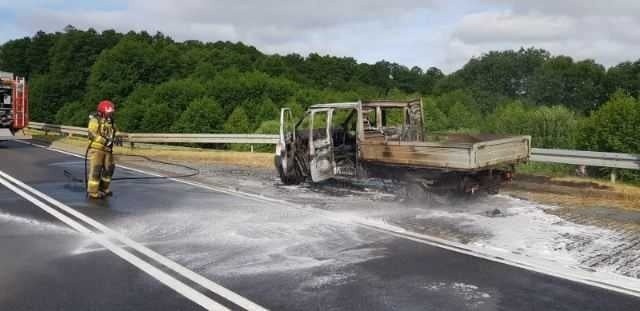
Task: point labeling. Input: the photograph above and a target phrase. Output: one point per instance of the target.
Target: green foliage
(435, 119)
(118, 71)
(74, 113)
(177, 94)
(71, 58)
(512, 118)
(459, 108)
(238, 122)
(232, 88)
(157, 118)
(503, 73)
(267, 127)
(550, 127)
(615, 127)
(131, 111)
(201, 116)
(625, 77)
(554, 127)
(12, 56)
(580, 85)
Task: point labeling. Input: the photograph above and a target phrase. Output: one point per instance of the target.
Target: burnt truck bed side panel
(416, 154)
(502, 151)
(451, 156)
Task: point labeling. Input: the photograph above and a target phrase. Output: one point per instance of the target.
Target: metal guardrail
(165, 138)
(575, 157)
(203, 138)
(60, 129)
(586, 158)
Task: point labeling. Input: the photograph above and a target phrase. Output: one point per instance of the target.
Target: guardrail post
(251, 148)
(613, 176)
(132, 145)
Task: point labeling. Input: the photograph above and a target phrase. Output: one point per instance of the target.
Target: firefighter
(102, 133)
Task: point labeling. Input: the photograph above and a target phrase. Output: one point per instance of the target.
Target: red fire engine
(14, 106)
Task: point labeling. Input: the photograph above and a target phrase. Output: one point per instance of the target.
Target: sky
(423, 33)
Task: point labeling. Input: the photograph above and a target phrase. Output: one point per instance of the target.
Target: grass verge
(169, 153)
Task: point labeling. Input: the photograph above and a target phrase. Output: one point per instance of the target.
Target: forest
(160, 85)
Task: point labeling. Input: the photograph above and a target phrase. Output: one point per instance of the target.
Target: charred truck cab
(386, 140)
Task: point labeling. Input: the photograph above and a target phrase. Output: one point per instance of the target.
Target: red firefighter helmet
(106, 108)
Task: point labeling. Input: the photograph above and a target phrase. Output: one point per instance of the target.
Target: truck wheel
(288, 178)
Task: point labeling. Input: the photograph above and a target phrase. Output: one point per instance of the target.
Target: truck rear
(14, 107)
(386, 139)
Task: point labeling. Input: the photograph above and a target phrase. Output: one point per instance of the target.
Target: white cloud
(604, 31)
(412, 32)
(359, 28)
(507, 27)
(578, 8)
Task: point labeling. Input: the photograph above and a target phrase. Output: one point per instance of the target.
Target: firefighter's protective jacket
(102, 133)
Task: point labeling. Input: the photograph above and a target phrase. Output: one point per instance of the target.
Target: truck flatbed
(457, 152)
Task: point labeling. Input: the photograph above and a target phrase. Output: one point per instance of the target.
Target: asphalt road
(275, 256)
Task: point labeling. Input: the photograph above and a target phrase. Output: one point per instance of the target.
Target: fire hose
(85, 180)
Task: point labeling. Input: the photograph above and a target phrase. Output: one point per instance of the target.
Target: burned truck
(386, 140)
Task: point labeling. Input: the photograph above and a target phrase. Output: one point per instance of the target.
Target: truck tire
(288, 178)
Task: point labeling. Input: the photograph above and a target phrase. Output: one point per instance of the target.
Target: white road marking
(200, 280)
(617, 283)
(159, 275)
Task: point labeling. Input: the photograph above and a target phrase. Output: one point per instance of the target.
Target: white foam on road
(242, 241)
(524, 228)
(34, 225)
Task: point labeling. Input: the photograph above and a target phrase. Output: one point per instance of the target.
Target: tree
(38, 53)
(118, 71)
(43, 100)
(512, 118)
(12, 57)
(435, 119)
(553, 127)
(580, 85)
(178, 94)
(74, 113)
(550, 127)
(157, 118)
(626, 77)
(505, 73)
(428, 81)
(615, 127)
(238, 122)
(71, 58)
(264, 109)
(203, 115)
